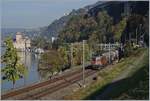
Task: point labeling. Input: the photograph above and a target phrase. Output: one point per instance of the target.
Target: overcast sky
(36, 13)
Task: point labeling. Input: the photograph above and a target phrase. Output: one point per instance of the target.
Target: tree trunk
(13, 84)
(13, 81)
(24, 80)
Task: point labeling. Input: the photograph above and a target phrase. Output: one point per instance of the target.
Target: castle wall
(21, 43)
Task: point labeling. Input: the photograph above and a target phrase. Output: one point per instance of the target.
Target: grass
(136, 61)
(139, 83)
(136, 86)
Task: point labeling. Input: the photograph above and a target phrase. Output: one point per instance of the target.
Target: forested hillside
(109, 22)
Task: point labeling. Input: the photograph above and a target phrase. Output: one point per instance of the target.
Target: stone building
(21, 43)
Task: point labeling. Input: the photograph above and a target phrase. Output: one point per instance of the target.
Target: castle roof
(18, 33)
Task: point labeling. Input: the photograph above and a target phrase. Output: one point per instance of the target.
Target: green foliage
(136, 26)
(94, 30)
(78, 28)
(128, 50)
(51, 61)
(56, 60)
(146, 29)
(100, 29)
(93, 40)
(139, 91)
(82, 27)
(103, 31)
(13, 70)
(41, 42)
(63, 53)
(119, 28)
(71, 32)
(78, 53)
(104, 26)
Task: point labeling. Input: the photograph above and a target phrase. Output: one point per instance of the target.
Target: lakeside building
(21, 42)
(53, 39)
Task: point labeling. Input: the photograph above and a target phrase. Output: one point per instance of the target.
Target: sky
(36, 13)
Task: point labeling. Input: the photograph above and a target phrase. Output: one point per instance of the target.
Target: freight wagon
(98, 62)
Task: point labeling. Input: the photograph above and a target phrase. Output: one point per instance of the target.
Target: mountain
(5, 32)
(56, 26)
(116, 9)
(31, 33)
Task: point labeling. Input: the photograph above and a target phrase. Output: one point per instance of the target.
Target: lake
(31, 63)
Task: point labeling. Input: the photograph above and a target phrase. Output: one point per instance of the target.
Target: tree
(71, 31)
(41, 42)
(146, 29)
(13, 70)
(51, 61)
(118, 29)
(78, 53)
(78, 28)
(104, 27)
(93, 41)
(62, 50)
(134, 28)
(88, 25)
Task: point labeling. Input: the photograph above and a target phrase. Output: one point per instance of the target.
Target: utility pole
(109, 52)
(136, 37)
(90, 53)
(71, 54)
(125, 38)
(83, 65)
(141, 34)
(130, 38)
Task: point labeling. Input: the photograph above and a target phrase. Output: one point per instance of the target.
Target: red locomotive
(98, 62)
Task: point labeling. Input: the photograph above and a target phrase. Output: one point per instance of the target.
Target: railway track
(29, 88)
(65, 83)
(39, 85)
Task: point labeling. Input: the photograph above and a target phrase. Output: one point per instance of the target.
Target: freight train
(98, 62)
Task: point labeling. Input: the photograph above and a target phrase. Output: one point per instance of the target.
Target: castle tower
(27, 42)
(18, 37)
(22, 43)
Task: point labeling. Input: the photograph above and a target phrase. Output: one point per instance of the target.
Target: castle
(21, 43)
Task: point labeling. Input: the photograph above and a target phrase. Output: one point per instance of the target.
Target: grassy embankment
(132, 67)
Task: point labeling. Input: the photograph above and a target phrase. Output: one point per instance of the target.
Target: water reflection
(30, 61)
(25, 58)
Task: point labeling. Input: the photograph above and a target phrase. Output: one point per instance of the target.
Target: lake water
(31, 62)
